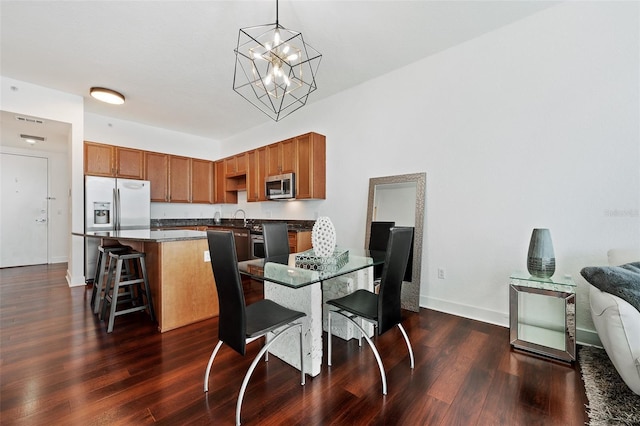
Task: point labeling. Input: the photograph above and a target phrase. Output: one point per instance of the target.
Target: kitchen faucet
(243, 213)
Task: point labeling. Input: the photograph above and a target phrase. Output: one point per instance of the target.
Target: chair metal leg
(329, 338)
(147, 288)
(114, 296)
(301, 358)
(209, 364)
(373, 348)
(96, 291)
(247, 376)
(406, 339)
(107, 287)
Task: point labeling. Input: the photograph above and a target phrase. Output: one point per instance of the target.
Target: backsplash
(306, 225)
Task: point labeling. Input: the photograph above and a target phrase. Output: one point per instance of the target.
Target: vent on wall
(29, 120)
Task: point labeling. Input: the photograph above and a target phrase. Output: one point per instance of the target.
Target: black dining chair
(276, 239)
(383, 309)
(378, 239)
(239, 324)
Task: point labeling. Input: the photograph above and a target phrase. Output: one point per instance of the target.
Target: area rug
(611, 402)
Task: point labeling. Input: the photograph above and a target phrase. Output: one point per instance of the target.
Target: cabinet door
(242, 161)
(156, 170)
(274, 162)
(261, 160)
(289, 156)
(311, 166)
(98, 159)
(281, 157)
(179, 179)
(252, 173)
(257, 161)
(221, 195)
(236, 165)
(229, 166)
(129, 163)
(201, 181)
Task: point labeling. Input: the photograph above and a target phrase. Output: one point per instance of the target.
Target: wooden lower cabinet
(299, 241)
(182, 284)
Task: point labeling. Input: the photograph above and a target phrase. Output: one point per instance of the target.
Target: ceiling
(174, 60)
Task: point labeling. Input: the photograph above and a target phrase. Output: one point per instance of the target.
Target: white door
(24, 210)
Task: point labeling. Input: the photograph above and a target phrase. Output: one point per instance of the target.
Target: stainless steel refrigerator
(113, 204)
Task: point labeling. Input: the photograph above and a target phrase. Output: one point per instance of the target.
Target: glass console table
(555, 342)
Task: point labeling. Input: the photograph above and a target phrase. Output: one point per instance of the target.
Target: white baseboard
(583, 336)
(466, 311)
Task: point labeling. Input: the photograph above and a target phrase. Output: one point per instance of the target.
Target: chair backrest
(276, 239)
(378, 239)
(379, 235)
(389, 313)
(232, 321)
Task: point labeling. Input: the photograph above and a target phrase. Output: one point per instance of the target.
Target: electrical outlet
(441, 274)
(207, 256)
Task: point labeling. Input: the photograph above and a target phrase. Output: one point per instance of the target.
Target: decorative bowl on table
(310, 260)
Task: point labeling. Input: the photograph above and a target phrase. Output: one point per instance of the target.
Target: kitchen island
(182, 284)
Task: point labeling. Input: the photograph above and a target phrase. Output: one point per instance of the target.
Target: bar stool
(134, 294)
(102, 266)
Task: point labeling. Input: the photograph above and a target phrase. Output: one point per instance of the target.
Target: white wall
(28, 99)
(532, 125)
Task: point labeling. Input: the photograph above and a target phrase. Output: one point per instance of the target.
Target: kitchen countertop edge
(146, 235)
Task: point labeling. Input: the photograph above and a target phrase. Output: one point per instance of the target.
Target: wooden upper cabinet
(257, 163)
(156, 170)
(113, 161)
(129, 163)
(281, 157)
(99, 159)
(236, 165)
(201, 181)
(311, 166)
(221, 195)
(179, 179)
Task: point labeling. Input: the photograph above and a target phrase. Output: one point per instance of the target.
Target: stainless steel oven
(257, 246)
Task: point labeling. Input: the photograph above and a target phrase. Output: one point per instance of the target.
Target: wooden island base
(182, 284)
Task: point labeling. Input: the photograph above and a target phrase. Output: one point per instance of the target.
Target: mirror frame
(410, 290)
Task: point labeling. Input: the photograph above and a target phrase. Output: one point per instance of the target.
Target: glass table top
(282, 269)
(562, 283)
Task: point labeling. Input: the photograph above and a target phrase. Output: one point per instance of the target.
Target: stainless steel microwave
(280, 187)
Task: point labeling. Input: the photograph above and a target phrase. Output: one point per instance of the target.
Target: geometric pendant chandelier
(275, 69)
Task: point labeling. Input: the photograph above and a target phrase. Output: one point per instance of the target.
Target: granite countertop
(294, 225)
(147, 235)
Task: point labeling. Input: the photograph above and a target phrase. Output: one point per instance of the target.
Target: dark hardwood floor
(59, 366)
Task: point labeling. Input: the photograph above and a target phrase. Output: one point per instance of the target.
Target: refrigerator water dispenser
(101, 213)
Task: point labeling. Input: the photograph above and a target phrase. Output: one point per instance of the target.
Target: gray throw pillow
(622, 281)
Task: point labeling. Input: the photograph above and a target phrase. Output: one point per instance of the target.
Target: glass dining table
(305, 288)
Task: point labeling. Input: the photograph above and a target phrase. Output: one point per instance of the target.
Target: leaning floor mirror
(401, 199)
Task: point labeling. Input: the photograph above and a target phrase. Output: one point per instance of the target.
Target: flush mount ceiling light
(107, 95)
(275, 69)
(32, 140)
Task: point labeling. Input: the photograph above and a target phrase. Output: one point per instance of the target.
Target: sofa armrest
(618, 325)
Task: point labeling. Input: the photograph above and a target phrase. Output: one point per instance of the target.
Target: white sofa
(618, 325)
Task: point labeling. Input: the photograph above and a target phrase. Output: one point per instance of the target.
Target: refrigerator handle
(118, 207)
